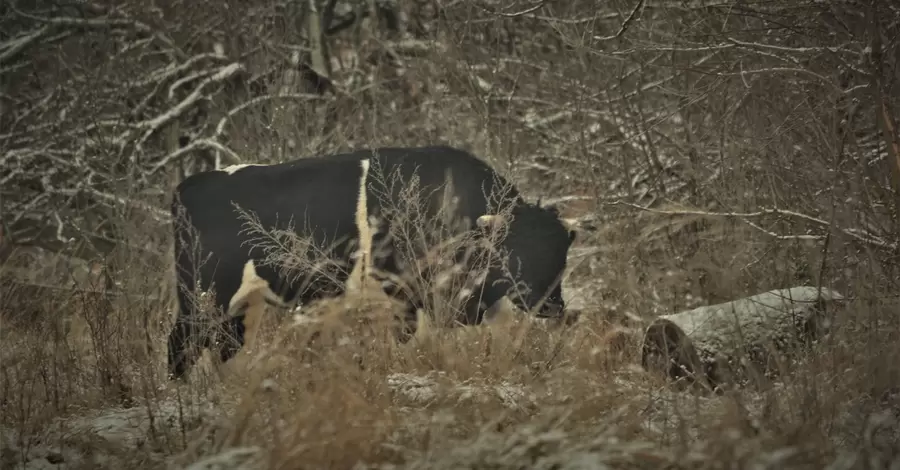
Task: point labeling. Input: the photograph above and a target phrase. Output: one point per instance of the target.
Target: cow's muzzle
(558, 312)
(552, 310)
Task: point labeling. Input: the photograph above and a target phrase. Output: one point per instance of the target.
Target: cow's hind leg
(240, 331)
(184, 342)
(183, 349)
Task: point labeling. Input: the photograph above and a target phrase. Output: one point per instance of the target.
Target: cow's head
(537, 243)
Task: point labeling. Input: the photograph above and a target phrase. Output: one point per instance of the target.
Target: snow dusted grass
(83, 387)
(517, 394)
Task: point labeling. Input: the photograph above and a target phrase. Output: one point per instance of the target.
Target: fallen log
(721, 343)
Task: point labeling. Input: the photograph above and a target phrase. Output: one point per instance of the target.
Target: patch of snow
(424, 390)
(116, 431)
(244, 458)
(417, 389)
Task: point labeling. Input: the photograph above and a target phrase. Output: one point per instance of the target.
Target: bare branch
(84, 22)
(778, 236)
(53, 235)
(524, 12)
(14, 46)
(154, 124)
(774, 70)
(173, 69)
(884, 116)
(625, 24)
(220, 127)
(797, 50)
(233, 157)
(158, 214)
(866, 238)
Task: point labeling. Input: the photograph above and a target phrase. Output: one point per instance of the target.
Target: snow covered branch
(856, 234)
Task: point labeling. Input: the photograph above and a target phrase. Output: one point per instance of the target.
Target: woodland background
(716, 149)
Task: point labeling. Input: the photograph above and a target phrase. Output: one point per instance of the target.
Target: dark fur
(318, 197)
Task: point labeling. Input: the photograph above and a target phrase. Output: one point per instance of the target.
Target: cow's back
(331, 200)
(308, 193)
(315, 197)
(476, 187)
(319, 195)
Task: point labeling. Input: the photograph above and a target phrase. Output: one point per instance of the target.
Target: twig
(220, 127)
(158, 214)
(195, 144)
(883, 113)
(625, 24)
(154, 124)
(853, 233)
(557, 200)
(84, 22)
(43, 289)
(13, 46)
(772, 70)
(779, 236)
(790, 49)
(526, 11)
(174, 69)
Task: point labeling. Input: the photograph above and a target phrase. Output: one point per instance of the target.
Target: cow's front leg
(242, 327)
(480, 301)
(231, 337)
(407, 321)
(252, 322)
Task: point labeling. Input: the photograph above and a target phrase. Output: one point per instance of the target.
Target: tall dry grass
(510, 394)
(650, 118)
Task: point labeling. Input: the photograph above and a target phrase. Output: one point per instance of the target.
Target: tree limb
(625, 24)
(524, 12)
(858, 235)
(884, 116)
(154, 124)
(13, 47)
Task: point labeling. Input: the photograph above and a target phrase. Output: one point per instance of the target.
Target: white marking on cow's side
(570, 224)
(252, 294)
(490, 221)
(230, 169)
(502, 312)
(361, 264)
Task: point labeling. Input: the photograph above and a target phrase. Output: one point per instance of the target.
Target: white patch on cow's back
(362, 256)
(230, 169)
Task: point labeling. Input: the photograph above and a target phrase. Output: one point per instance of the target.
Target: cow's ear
(487, 221)
(572, 226)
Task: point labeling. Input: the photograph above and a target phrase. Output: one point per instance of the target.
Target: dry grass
(648, 116)
(513, 394)
(82, 376)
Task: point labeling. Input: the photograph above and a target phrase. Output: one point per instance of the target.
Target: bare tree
(103, 105)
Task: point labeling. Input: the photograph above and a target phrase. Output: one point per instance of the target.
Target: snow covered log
(716, 343)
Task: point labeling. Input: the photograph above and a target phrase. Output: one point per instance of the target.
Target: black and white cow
(336, 201)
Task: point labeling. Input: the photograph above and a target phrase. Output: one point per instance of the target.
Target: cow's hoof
(176, 371)
(176, 376)
(227, 351)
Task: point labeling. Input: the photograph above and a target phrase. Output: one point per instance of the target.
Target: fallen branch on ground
(705, 343)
